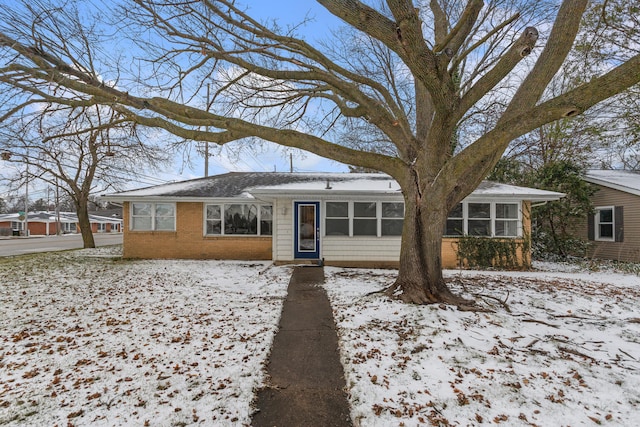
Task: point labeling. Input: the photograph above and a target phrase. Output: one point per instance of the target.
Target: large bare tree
(429, 68)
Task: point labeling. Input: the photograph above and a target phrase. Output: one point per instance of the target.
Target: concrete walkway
(306, 378)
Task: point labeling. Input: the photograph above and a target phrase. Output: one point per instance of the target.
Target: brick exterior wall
(188, 241)
(35, 228)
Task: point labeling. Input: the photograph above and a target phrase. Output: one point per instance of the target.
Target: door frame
(297, 252)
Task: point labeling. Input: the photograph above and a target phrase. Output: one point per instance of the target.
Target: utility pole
(57, 208)
(206, 144)
(26, 198)
(290, 162)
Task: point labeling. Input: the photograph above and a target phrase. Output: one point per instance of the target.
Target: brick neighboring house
(46, 224)
(614, 229)
(344, 219)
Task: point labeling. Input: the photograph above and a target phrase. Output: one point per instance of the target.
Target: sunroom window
(455, 222)
(488, 219)
(364, 219)
(337, 219)
(392, 219)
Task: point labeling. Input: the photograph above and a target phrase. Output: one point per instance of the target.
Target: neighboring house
(46, 224)
(345, 219)
(614, 228)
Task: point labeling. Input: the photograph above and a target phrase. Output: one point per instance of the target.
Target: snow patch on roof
(337, 184)
(627, 181)
(490, 188)
(247, 184)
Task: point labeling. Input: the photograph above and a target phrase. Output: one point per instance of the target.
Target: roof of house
(108, 213)
(44, 216)
(627, 181)
(246, 184)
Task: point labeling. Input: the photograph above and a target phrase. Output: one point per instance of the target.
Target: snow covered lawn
(89, 339)
(567, 353)
(86, 339)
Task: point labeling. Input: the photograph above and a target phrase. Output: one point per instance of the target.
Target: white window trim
(222, 227)
(351, 217)
(493, 203)
(466, 218)
(381, 217)
(153, 217)
(518, 219)
(596, 224)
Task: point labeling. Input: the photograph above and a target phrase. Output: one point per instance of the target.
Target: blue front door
(306, 236)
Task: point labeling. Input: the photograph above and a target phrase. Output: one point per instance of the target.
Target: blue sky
(273, 157)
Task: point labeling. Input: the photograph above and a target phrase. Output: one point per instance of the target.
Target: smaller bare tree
(81, 151)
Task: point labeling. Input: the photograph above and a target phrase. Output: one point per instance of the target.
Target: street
(19, 246)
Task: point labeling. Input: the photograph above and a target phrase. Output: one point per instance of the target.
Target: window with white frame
(213, 219)
(605, 223)
(365, 222)
(266, 220)
(239, 219)
(392, 219)
(153, 216)
(17, 225)
(506, 222)
(455, 222)
(102, 227)
(366, 218)
(488, 219)
(141, 216)
(336, 219)
(479, 219)
(165, 217)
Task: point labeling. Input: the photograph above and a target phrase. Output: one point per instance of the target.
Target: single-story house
(46, 223)
(614, 228)
(343, 219)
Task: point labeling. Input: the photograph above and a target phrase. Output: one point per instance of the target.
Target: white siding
(332, 248)
(629, 249)
(338, 248)
(360, 248)
(283, 239)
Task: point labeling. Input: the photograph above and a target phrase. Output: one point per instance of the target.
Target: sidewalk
(307, 383)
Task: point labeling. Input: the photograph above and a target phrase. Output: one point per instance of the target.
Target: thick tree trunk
(85, 226)
(420, 279)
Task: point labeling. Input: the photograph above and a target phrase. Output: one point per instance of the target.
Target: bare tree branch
(550, 60)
